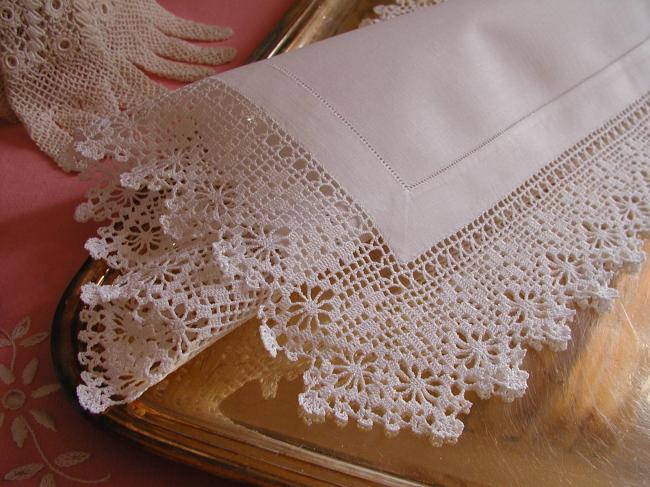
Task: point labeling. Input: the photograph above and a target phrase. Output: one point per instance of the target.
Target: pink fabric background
(41, 248)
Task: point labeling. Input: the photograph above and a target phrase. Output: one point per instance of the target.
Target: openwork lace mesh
(66, 63)
(217, 215)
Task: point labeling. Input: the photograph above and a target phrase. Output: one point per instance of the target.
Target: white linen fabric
(405, 208)
(439, 127)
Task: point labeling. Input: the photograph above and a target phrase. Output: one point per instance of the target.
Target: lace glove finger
(133, 88)
(171, 69)
(186, 29)
(49, 137)
(179, 50)
(131, 30)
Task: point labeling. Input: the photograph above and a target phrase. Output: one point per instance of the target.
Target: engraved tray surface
(232, 410)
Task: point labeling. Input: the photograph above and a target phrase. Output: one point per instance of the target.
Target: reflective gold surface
(584, 421)
(313, 20)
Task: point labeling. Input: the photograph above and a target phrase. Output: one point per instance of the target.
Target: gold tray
(232, 411)
(585, 420)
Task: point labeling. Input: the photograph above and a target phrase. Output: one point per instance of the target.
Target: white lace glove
(63, 67)
(149, 36)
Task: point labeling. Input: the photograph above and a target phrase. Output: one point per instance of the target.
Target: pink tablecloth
(44, 439)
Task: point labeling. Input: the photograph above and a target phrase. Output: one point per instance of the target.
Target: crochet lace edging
(212, 230)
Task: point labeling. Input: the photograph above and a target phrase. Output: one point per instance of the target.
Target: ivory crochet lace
(212, 227)
(67, 63)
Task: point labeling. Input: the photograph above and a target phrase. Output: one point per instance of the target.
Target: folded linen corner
(407, 208)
